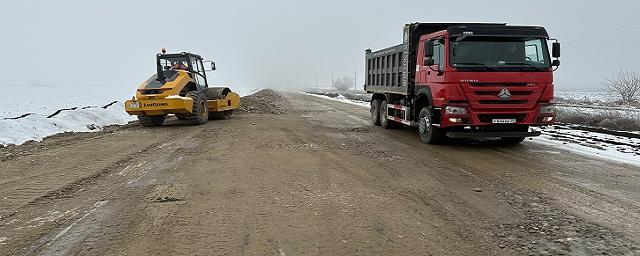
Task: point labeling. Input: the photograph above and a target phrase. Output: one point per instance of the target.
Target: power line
(615, 43)
(603, 40)
(591, 36)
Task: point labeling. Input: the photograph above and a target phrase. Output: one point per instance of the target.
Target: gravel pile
(263, 102)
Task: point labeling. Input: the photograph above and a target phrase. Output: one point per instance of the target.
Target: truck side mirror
(555, 52)
(555, 63)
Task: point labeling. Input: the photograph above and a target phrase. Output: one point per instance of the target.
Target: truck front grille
(496, 102)
(499, 84)
(495, 93)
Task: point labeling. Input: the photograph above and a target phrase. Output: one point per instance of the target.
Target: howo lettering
(465, 80)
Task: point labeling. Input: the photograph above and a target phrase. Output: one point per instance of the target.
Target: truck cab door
(198, 74)
(435, 73)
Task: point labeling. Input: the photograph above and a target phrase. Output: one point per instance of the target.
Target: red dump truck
(465, 80)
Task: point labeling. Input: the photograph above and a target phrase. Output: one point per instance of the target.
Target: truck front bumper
(182, 105)
(480, 135)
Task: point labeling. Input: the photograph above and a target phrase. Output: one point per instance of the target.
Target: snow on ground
(88, 115)
(46, 100)
(594, 144)
(340, 98)
(38, 126)
(245, 91)
(616, 148)
(589, 96)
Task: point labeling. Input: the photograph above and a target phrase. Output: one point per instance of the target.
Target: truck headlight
(547, 109)
(134, 105)
(455, 110)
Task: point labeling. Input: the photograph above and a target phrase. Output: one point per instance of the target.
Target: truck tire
(429, 134)
(149, 121)
(200, 113)
(375, 111)
(221, 115)
(512, 140)
(384, 121)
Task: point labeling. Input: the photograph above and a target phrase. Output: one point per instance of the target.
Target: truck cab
(465, 81)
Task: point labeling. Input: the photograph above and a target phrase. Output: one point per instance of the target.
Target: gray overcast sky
(280, 43)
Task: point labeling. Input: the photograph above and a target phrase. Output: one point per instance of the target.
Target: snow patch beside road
(340, 98)
(37, 126)
(594, 144)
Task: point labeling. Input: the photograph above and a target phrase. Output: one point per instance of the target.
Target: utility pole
(316, 81)
(355, 81)
(331, 82)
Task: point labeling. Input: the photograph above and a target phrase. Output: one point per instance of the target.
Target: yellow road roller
(180, 87)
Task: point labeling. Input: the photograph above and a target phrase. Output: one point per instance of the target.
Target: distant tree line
(343, 84)
(625, 84)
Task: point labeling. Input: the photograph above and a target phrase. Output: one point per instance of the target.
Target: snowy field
(587, 96)
(37, 126)
(617, 148)
(26, 117)
(46, 100)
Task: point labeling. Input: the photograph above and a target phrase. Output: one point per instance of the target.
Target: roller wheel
(227, 114)
(148, 121)
(182, 117)
(200, 112)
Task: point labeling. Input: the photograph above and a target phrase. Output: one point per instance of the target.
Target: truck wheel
(375, 111)
(512, 140)
(429, 134)
(200, 112)
(148, 121)
(384, 121)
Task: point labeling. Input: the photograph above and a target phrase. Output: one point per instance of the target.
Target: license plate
(504, 121)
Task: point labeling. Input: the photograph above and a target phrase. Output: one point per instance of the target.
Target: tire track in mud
(49, 186)
(126, 195)
(545, 225)
(71, 228)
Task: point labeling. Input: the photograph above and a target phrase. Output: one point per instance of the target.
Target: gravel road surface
(310, 177)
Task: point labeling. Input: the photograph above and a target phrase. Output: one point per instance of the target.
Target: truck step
(399, 120)
(404, 120)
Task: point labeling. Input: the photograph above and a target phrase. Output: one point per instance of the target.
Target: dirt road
(313, 179)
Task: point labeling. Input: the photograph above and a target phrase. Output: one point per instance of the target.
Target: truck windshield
(499, 54)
